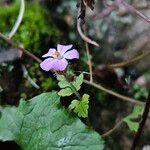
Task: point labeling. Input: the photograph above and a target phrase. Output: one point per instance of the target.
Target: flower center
(56, 54)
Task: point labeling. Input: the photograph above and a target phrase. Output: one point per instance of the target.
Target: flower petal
(63, 48)
(50, 52)
(47, 64)
(60, 64)
(71, 54)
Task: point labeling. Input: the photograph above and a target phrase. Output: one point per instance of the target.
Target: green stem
(75, 91)
(72, 88)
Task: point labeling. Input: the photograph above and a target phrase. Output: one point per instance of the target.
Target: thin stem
(75, 91)
(20, 48)
(72, 87)
(113, 129)
(116, 5)
(142, 123)
(83, 36)
(124, 98)
(88, 56)
(131, 61)
(19, 20)
(133, 10)
(106, 12)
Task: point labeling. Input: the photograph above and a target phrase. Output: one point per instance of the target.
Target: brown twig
(106, 12)
(131, 61)
(113, 129)
(83, 36)
(125, 98)
(142, 123)
(20, 48)
(116, 5)
(133, 10)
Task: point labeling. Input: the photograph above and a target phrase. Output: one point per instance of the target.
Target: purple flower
(57, 59)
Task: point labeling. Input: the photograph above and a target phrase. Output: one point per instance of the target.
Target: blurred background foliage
(48, 22)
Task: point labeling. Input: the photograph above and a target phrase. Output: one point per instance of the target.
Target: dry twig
(124, 98)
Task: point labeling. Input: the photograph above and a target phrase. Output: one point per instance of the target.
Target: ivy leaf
(80, 107)
(130, 119)
(41, 123)
(78, 82)
(65, 92)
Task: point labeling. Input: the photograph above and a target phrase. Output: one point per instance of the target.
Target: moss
(8, 16)
(37, 30)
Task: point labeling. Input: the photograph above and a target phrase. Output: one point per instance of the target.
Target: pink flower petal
(50, 52)
(71, 54)
(60, 64)
(63, 48)
(47, 64)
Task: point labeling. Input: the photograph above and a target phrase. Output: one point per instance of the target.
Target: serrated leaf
(130, 119)
(65, 92)
(85, 98)
(73, 104)
(78, 82)
(63, 84)
(42, 124)
(60, 78)
(80, 107)
(62, 81)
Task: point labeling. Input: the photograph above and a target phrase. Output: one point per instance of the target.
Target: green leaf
(42, 124)
(62, 81)
(133, 126)
(81, 107)
(65, 92)
(61, 78)
(78, 82)
(63, 84)
(130, 119)
(74, 104)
